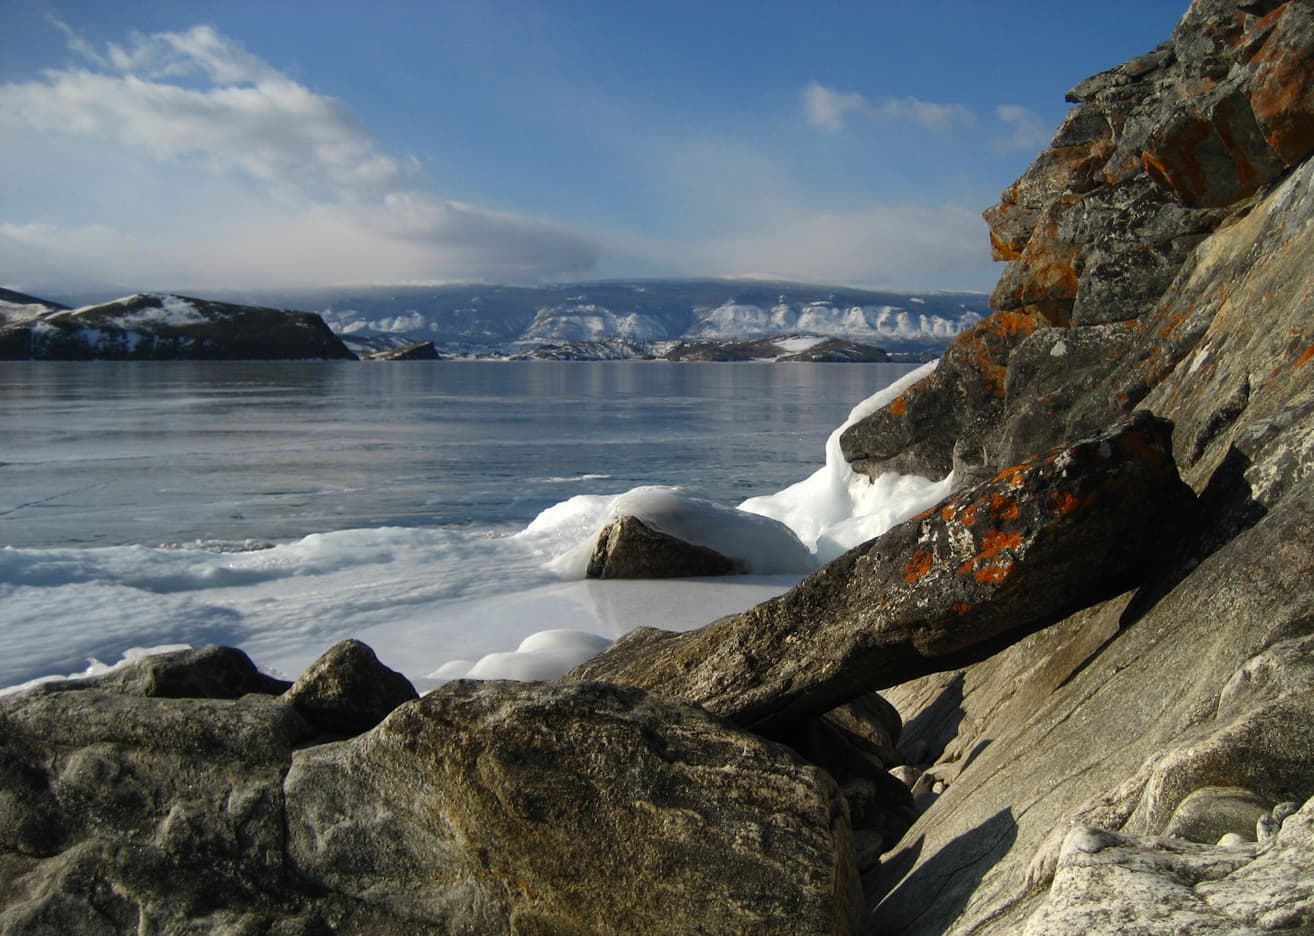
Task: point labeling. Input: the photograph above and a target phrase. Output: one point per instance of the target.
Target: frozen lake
(393, 496)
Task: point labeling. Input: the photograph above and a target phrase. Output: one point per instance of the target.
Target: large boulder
(124, 813)
(580, 808)
(1070, 527)
(482, 808)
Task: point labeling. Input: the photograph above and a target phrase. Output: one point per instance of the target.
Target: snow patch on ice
(547, 654)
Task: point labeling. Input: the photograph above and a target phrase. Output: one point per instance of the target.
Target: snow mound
(566, 531)
(835, 509)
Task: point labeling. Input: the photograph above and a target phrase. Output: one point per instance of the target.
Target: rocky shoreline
(1095, 659)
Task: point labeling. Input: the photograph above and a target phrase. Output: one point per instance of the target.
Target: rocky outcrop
(1070, 527)
(151, 326)
(482, 808)
(414, 351)
(1104, 879)
(1157, 155)
(629, 548)
(1162, 246)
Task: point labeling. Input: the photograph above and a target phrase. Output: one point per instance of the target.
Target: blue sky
(179, 145)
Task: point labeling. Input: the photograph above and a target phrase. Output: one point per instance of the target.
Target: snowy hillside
(649, 314)
(155, 326)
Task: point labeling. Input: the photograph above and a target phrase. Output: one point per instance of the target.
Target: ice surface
(439, 602)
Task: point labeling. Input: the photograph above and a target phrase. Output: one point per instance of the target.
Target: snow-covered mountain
(652, 315)
(149, 326)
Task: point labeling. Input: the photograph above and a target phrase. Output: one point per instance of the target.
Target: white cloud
(342, 208)
(889, 244)
(1026, 129)
(830, 110)
(275, 130)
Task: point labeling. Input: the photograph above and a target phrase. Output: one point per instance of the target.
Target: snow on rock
(835, 509)
(566, 532)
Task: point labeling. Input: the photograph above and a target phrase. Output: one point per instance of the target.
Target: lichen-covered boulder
(1063, 530)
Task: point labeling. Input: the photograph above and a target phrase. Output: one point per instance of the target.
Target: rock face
(1160, 252)
(1155, 157)
(1104, 879)
(1044, 538)
(631, 549)
(149, 326)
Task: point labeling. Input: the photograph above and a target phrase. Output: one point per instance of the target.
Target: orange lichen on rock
(1063, 502)
(948, 512)
(1304, 358)
(968, 515)
(961, 608)
(1004, 508)
(996, 541)
(899, 405)
(918, 565)
(1012, 472)
(993, 575)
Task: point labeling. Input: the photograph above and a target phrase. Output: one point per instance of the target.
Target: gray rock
(1283, 811)
(347, 690)
(125, 813)
(1105, 720)
(1209, 813)
(204, 673)
(518, 807)
(631, 549)
(1151, 885)
(905, 774)
(958, 582)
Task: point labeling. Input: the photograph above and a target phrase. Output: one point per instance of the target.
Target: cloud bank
(336, 205)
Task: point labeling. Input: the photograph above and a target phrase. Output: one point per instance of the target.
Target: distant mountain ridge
(655, 315)
(675, 319)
